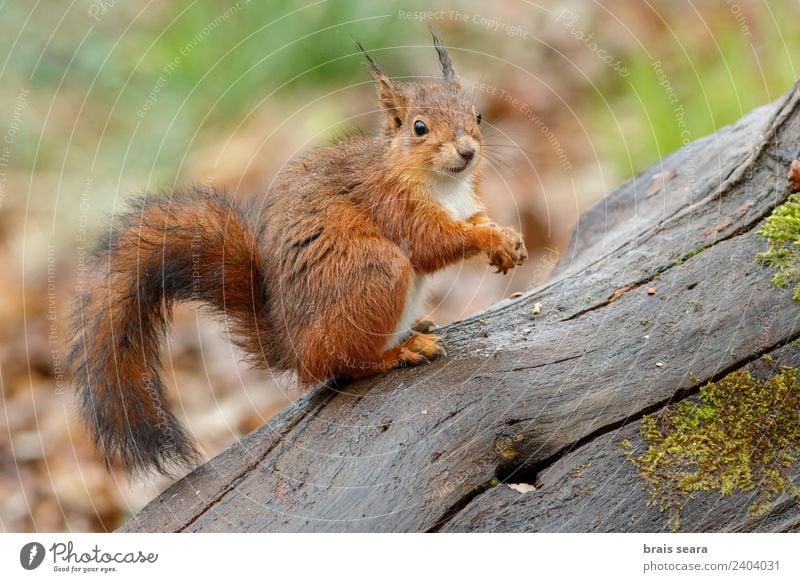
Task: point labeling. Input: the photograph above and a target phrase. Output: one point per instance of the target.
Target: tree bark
(543, 399)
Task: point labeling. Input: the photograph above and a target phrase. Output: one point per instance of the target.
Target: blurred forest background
(103, 98)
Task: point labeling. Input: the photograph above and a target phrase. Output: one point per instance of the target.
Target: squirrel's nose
(466, 153)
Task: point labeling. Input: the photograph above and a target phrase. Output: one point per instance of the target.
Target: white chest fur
(414, 308)
(456, 196)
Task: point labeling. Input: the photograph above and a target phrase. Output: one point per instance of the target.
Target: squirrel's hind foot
(420, 348)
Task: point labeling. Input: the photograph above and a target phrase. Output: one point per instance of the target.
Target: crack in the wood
(534, 366)
(740, 230)
(530, 474)
(616, 295)
(455, 508)
(440, 422)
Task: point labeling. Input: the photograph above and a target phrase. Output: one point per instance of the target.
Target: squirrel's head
(433, 125)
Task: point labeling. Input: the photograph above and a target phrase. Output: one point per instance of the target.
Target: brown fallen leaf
(652, 290)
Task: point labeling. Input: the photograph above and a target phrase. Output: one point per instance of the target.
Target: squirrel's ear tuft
(444, 58)
(377, 72)
(389, 94)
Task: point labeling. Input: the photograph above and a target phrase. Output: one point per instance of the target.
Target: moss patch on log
(782, 229)
(742, 435)
(689, 255)
(490, 484)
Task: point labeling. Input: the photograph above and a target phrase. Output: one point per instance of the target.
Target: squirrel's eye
(479, 117)
(420, 128)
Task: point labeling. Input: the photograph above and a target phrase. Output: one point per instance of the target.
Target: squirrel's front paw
(509, 250)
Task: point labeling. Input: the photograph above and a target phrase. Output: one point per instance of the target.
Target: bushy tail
(194, 245)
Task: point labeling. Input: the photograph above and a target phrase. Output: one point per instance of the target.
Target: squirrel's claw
(511, 253)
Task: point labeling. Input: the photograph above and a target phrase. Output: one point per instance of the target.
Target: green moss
(782, 229)
(490, 484)
(742, 435)
(693, 253)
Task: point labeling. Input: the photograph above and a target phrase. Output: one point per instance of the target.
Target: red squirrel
(327, 278)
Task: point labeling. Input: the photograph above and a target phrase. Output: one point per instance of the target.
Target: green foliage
(709, 81)
(782, 229)
(742, 435)
(158, 82)
(236, 57)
